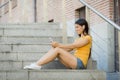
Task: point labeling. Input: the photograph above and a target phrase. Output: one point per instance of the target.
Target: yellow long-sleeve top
(83, 52)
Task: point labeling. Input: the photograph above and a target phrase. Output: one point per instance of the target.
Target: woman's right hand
(55, 44)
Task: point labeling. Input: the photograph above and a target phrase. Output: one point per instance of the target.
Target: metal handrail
(99, 14)
(4, 4)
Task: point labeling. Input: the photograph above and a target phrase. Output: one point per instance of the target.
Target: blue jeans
(80, 64)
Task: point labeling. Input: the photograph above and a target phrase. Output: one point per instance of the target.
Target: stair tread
(54, 70)
(31, 26)
(62, 74)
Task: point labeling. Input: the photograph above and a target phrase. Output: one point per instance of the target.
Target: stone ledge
(31, 25)
(54, 74)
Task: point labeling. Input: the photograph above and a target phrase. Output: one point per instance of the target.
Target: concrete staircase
(22, 44)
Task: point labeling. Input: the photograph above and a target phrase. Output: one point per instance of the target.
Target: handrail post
(119, 47)
(10, 11)
(64, 24)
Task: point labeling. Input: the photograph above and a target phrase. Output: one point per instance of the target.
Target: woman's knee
(57, 49)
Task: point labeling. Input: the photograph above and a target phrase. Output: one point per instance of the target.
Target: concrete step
(53, 75)
(31, 40)
(21, 45)
(18, 65)
(92, 64)
(113, 76)
(11, 65)
(21, 56)
(31, 26)
(56, 64)
(31, 32)
(24, 48)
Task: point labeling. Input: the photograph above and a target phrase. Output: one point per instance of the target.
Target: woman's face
(79, 29)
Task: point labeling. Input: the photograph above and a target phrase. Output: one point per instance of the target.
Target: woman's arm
(79, 43)
(56, 44)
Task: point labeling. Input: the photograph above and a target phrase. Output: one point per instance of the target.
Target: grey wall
(103, 46)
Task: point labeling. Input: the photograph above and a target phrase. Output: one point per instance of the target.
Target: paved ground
(113, 76)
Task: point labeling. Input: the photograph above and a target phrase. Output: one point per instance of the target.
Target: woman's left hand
(55, 44)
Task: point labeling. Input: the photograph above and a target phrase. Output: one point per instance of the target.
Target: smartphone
(51, 40)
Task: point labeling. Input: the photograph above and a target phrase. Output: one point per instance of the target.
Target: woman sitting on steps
(81, 45)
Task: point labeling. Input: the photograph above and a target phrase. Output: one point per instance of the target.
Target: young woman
(81, 45)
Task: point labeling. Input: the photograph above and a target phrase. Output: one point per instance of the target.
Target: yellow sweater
(83, 52)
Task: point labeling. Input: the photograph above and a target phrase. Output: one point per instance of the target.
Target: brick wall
(22, 12)
(54, 10)
(103, 6)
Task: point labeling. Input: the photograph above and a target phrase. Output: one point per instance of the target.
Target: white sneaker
(33, 66)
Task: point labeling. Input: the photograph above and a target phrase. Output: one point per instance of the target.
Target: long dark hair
(82, 22)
